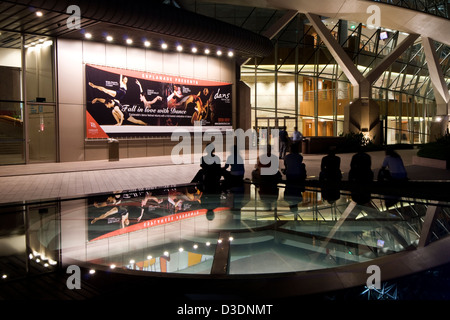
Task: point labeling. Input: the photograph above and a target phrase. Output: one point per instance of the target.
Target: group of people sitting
(209, 177)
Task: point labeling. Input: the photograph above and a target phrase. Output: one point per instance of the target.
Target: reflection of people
(394, 163)
(268, 180)
(360, 175)
(147, 104)
(119, 93)
(119, 112)
(119, 215)
(149, 196)
(330, 176)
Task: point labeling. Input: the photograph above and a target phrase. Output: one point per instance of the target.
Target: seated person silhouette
(208, 177)
(295, 169)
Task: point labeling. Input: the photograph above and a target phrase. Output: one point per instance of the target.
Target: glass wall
(27, 99)
(11, 99)
(303, 82)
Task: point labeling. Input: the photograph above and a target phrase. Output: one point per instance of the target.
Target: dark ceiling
(153, 20)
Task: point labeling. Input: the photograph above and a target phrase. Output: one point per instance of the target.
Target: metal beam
(435, 70)
(275, 28)
(341, 57)
(430, 217)
(376, 72)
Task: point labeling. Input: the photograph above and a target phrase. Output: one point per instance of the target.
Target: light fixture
(4, 276)
(207, 51)
(113, 266)
(208, 244)
(179, 48)
(129, 41)
(109, 38)
(195, 246)
(92, 271)
(147, 43)
(230, 53)
(164, 46)
(88, 35)
(194, 50)
(219, 53)
(132, 261)
(230, 239)
(39, 13)
(180, 249)
(166, 253)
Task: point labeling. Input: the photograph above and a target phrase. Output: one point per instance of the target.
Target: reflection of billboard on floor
(124, 212)
(121, 103)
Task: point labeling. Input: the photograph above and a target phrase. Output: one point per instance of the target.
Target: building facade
(292, 64)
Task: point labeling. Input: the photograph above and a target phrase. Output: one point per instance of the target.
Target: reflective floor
(249, 231)
(244, 231)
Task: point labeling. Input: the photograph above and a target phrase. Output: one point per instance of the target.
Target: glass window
(11, 102)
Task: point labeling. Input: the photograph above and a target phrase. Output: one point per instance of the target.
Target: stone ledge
(429, 162)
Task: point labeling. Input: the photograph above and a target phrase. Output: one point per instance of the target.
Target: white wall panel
(186, 65)
(116, 56)
(227, 70)
(153, 61)
(214, 69)
(70, 73)
(135, 59)
(171, 64)
(200, 69)
(93, 52)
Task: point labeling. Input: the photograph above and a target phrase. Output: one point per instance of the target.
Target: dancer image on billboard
(119, 112)
(117, 94)
(147, 104)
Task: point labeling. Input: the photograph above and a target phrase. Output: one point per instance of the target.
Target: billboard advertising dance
(130, 103)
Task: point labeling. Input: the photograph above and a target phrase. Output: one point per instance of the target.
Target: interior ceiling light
(219, 53)
(109, 38)
(39, 13)
(164, 46)
(129, 41)
(147, 43)
(88, 35)
(230, 53)
(207, 51)
(179, 48)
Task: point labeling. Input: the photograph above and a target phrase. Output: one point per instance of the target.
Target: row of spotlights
(164, 46)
